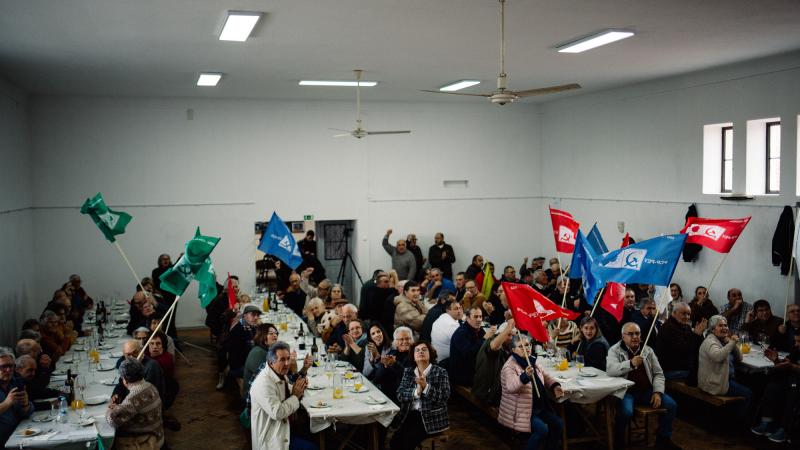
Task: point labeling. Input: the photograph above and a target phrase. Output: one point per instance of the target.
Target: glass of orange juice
(338, 387)
(358, 382)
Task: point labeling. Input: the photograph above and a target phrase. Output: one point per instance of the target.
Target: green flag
(195, 263)
(110, 222)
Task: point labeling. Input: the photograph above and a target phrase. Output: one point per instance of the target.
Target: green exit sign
(308, 217)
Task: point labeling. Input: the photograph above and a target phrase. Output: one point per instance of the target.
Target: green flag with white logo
(110, 222)
(194, 264)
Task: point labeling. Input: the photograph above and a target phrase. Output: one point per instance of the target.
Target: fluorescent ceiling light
(208, 79)
(239, 25)
(595, 40)
(337, 83)
(458, 85)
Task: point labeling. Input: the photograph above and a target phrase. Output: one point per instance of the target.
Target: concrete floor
(209, 417)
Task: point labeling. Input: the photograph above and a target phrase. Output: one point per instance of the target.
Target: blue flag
(278, 241)
(581, 267)
(648, 262)
(595, 239)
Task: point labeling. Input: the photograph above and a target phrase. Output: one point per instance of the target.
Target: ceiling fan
(360, 132)
(503, 95)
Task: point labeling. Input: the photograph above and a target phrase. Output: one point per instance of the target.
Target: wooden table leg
(375, 436)
(564, 444)
(609, 424)
(322, 440)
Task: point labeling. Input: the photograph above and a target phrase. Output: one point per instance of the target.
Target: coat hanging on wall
(782, 240)
(691, 251)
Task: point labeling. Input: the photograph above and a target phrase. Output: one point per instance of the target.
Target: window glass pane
(727, 184)
(775, 141)
(728, 144)
(774, 175)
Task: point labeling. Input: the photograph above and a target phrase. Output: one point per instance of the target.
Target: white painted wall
(635, 155)
(239, 160)
(17, 300)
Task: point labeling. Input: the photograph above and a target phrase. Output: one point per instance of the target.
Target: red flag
(565, 229)
(526, 317)
(626, 241)
(613, 299)
(717, 234)
(231, 292)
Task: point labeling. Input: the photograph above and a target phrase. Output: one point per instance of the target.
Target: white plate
(67, 360)
(87, 421)
(59, 372)
(31, 432)
(587, 374)
(79, 349)
(109, 381)
(363, 389)
(116, 354)
(42, 418)
(315, 388)
(320, 404)
(107, 368)
(370, 400)
(342, 363)
(97, 400)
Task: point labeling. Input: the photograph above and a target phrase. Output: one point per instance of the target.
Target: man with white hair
(679, 344)
(14, 403)
(341, 324)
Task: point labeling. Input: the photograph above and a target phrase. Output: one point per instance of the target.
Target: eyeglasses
(633, 333)
(272, 333)
(6, 367)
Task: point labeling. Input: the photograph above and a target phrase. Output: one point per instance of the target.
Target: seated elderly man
(736, 310)
(645, 316)
(443, 329)
(240, 340)
(26, 372)
(629, 359)
(761, 322)
(136, 419)
(273, 401)
(472, 295)
(781, 396)
(44, 367)
(489, 362)
(14, 403)
(408, 308)
(464, 346)
(437, 284)
(679, 344)
(714, 368)
(153, 373)
(295, 297)
(340, 325)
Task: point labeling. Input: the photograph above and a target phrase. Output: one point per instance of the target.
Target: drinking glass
(329, 372)
(579, 362)
(358, 382)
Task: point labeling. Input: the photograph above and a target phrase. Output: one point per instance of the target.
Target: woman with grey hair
(137, 419)
(718, 352)
(395, 362)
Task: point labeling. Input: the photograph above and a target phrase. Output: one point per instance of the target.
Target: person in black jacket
(240, 340)
(678, 345)
(464, 347)
(442, 256)
(592, 346)
(411, 245)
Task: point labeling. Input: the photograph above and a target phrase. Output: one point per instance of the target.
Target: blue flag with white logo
(595, 239)
(648, 262)
(278, 241)
(581, 267)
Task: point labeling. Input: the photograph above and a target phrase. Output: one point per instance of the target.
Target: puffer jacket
(408, 314)
(517, 398)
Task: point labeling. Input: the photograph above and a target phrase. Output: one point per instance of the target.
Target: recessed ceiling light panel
(458, 85)
(239, 25)
(209, 78)
(595, 40)
(337, 83)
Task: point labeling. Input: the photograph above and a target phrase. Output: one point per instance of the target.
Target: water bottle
(62, 410)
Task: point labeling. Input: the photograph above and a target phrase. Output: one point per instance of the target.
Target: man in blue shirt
(438, 284)
(14, 404)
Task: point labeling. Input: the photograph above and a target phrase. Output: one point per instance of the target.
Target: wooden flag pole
(708, 289)
(652, 325)
(136, 277)
(152, 335)
(528, 360)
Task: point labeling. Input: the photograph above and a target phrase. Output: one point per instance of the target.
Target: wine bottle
(314, 350)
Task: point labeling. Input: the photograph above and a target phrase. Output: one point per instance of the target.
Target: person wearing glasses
(524, 408)
(639, 364)
(422, 394)
(14, 403)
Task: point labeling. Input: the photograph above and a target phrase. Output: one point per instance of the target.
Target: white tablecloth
(351, 409)
(755, 361)
(581, 389)
(71, 435)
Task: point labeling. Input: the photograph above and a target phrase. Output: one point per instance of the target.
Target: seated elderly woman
(318, 317)
(395, 362)
(53, 341)
(141, 334)
(717, 352)
(157, 351)
(524, 406)
(137, 419)
(422, 394)
(355, 343)
(592, 346)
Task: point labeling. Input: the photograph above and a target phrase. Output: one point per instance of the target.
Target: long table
(70, 434)
(353, 408)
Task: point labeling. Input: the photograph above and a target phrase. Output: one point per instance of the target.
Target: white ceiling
(157, 47)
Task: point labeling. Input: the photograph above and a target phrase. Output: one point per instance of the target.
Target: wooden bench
(695, 392)
(643, 412)
(466, 394)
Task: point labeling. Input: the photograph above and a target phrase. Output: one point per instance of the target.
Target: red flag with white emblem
(565, 229)
(613, 300)
(717, 234)
(526, 316)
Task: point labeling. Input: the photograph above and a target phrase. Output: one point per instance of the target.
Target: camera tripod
(345, 258)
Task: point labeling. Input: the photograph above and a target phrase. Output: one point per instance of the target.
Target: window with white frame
(726, 178)
(773, 154)
(718, 158)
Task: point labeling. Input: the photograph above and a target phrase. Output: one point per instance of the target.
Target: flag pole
(528, 359)
(152, 335)
(716, 272)
(655, 318)
(138, 280)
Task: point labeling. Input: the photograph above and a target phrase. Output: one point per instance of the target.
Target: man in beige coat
(713, 364)
(274, 400)
(408, 308)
